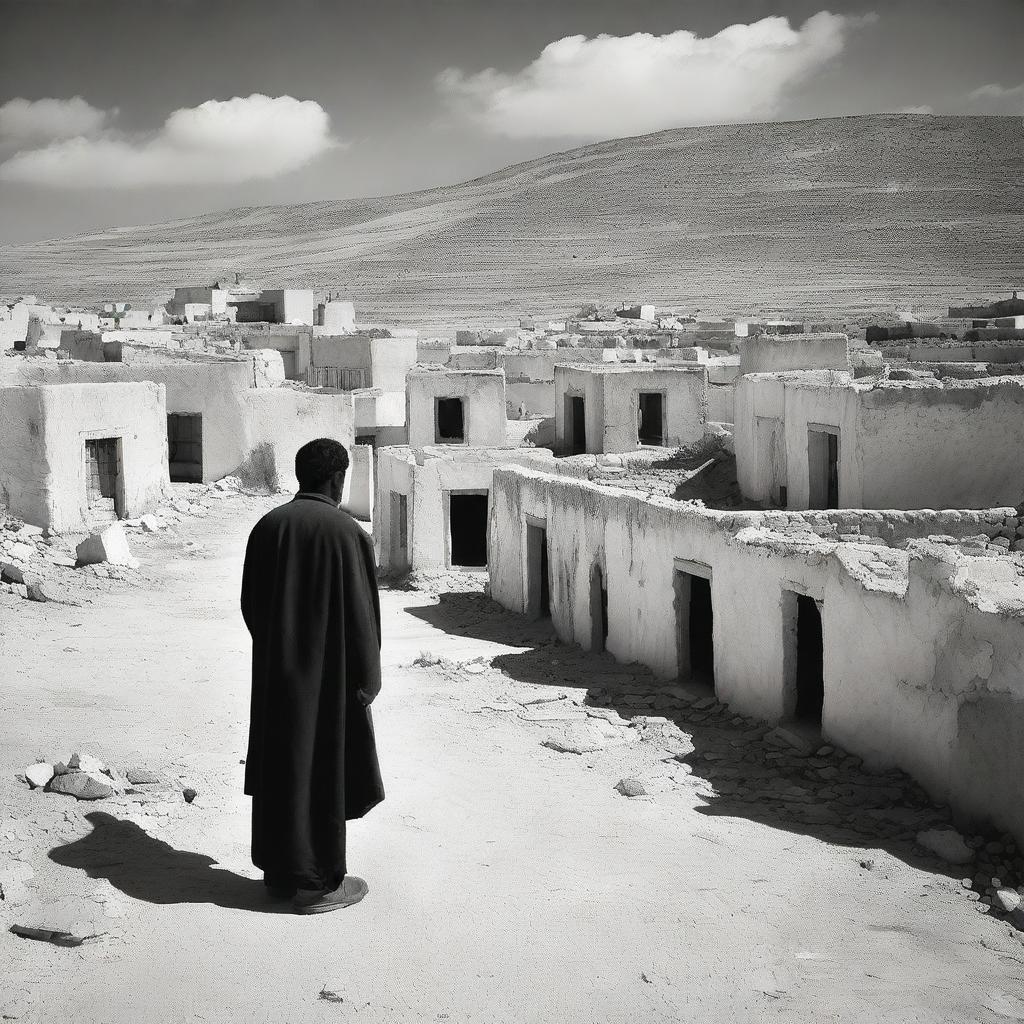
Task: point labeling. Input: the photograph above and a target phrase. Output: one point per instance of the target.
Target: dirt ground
(509, 880)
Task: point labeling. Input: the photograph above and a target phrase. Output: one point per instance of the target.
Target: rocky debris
(946, 843)
(1009, 900)
(11, 573)
(38, 592)
(82, 785)
(39, 774)
(150, 524)
(631, 787)
(584, 737)
(85, 763)
(783, 736)
(143, 777)
(189, 794)
(109, 545)
(58, 938)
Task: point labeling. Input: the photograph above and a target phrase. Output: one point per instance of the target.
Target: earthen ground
(508, 881)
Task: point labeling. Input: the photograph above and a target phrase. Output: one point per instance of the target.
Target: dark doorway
(399, 531)
(598, 610)
(695, 627)
(650, 425)
(810, 678)
(467, 529)
(450, 421)
(103, 478)
(823, 468)
(538, 594)
(185, 447)
(576, 424)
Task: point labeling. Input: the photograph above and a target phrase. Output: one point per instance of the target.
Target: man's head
(320, 467)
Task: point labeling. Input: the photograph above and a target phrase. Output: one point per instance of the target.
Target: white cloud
(996, 99)
(34, 120)
(218, 142)
(628, 85)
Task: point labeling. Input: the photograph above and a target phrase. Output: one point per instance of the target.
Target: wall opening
(538, 594)
(467, 529)
(399, 531)
(823, 467)
(650, 418)
(575, 425)
(804, 658)
(104, 487)
(695, 621)
(598, 610)
(449, 421)
(771, 456)
(185, 447)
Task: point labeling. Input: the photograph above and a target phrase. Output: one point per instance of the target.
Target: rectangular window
(449, 421)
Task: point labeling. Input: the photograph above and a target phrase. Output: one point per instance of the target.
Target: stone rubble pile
(32, 560)
(87, 778)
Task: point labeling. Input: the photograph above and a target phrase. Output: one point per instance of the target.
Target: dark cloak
(309, 599)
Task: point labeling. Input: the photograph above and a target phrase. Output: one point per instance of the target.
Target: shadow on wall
(737, 767)
(259, 470)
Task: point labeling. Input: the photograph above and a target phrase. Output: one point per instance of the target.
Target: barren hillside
(855, 213)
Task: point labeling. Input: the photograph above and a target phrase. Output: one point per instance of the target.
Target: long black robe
(309, 599)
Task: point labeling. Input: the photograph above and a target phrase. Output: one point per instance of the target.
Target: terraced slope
(856, 213)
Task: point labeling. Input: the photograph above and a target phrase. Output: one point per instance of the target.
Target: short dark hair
(317, 461)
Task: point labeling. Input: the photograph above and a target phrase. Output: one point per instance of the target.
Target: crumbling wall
(923, 662)
(933, 681)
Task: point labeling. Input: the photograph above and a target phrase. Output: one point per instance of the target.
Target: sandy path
(508, 882)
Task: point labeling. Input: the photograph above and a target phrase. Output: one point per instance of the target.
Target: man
(309, 599)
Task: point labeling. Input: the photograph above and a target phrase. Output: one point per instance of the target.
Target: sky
(118, 112)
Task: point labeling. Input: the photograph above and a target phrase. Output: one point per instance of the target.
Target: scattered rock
(38, 592)
(10, 573)
(21, 552)
(39, 774)
(58, 938)
(1008, 899)
(189, 794)
(142, 777)
(86, 763)
(150, 524)
(946, 843)
(783, 736)
(631, 787)
(82, 785)
(107, 545)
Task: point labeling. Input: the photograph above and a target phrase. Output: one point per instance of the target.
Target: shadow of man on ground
(151, 870)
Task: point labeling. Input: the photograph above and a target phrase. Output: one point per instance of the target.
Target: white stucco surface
(902, 444)
(43, 433)
(483, 395)
(611, 393)
(773, 353)
(923, 651)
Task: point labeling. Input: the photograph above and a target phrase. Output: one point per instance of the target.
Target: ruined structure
(617, 408)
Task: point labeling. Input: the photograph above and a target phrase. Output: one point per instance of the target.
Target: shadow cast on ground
(148, 869)
(739, 772)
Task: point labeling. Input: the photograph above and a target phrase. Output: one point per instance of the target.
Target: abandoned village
(817, 526)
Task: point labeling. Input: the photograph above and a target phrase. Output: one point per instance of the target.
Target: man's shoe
(351, 890)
